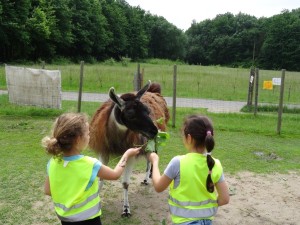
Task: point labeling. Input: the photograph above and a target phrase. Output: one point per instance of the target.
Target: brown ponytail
(209, 144)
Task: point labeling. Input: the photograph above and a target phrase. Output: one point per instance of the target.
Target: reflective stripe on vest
(85, 214)
(66, 209)
(193, 213)
(192, 203)
(72, 201)
(190, 200)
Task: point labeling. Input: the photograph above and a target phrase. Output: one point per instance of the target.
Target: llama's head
(132, 113)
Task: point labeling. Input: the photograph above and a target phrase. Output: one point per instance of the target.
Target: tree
(88, 30)
(165, 40)
(225, 40)
(281, 48)
(40, 25)
(117, 25)
(61, 33)
(14, 38)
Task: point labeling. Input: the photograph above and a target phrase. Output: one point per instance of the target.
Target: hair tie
(209, 172)
(54, 140)
(208, 133)
(207, 153)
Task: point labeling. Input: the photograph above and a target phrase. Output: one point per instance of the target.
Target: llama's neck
(113, 122)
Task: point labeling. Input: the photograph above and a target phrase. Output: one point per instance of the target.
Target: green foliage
(117, 26)
(94, 31)
(88, 28)
(125, 61)
(109, 62)
(159, 141)
(156, 61)
(224, 40)
(271, 108)
(166, 42)
(281, 47)
(61, 34)
(14, 37)
(83, 30)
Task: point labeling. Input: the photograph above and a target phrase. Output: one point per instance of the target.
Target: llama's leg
(125, 182)
(104, 161)
(148, 173)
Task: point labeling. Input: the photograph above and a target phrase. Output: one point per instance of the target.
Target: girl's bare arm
(47, 187)
(106, 173)
(223, 193)
(160, 183)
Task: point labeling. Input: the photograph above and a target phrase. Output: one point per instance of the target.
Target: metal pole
(280, 107)
(174, 96)
(80, 86)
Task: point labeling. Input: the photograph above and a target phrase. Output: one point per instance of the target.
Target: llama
(127, 121)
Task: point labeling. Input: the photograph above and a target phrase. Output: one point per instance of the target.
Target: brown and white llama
(127, 121)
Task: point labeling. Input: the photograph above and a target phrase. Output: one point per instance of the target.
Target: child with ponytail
(72, 177)
(196, 179)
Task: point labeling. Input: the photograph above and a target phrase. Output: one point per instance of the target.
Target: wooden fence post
(80, 86)
(250, 89)
(137, 79)
(280, 107)
(256, 90)
(174, 96)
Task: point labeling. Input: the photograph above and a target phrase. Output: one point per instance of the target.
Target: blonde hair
(66, 129)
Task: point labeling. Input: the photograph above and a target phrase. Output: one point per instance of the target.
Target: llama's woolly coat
(106, 138)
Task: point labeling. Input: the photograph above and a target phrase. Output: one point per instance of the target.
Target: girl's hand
(133, 151)
(153, 157)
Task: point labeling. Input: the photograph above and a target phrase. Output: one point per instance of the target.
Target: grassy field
(209, 82)
(243, 142)
(252, 147)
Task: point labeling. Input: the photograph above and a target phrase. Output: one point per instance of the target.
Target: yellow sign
(268, 85)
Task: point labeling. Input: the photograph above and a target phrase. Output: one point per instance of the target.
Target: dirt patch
(255, 199)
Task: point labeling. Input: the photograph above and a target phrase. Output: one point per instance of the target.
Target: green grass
(271, 108)
(209, 82)
(244, 142)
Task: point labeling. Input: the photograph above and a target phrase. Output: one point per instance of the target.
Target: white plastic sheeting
(35, 87)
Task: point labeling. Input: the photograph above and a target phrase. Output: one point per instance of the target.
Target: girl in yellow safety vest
(193, 177)
(72, 177)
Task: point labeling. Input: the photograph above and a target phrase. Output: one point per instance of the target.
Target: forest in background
(97, 30)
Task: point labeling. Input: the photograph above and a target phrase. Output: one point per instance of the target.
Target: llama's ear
(143, 90)
(116, 99)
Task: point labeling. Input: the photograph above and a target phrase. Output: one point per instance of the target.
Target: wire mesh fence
(206, 89)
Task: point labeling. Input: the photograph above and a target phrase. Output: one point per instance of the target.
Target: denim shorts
(201, 222)
(94, 221)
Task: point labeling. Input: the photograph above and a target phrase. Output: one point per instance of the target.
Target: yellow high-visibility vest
(190, 200)
(68, 183)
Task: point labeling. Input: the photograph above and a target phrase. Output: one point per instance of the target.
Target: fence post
(142, 78)
(80, 86)
(137, 79)
(250, 89)
(280, 107)
(174, 96)
(256, 90)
